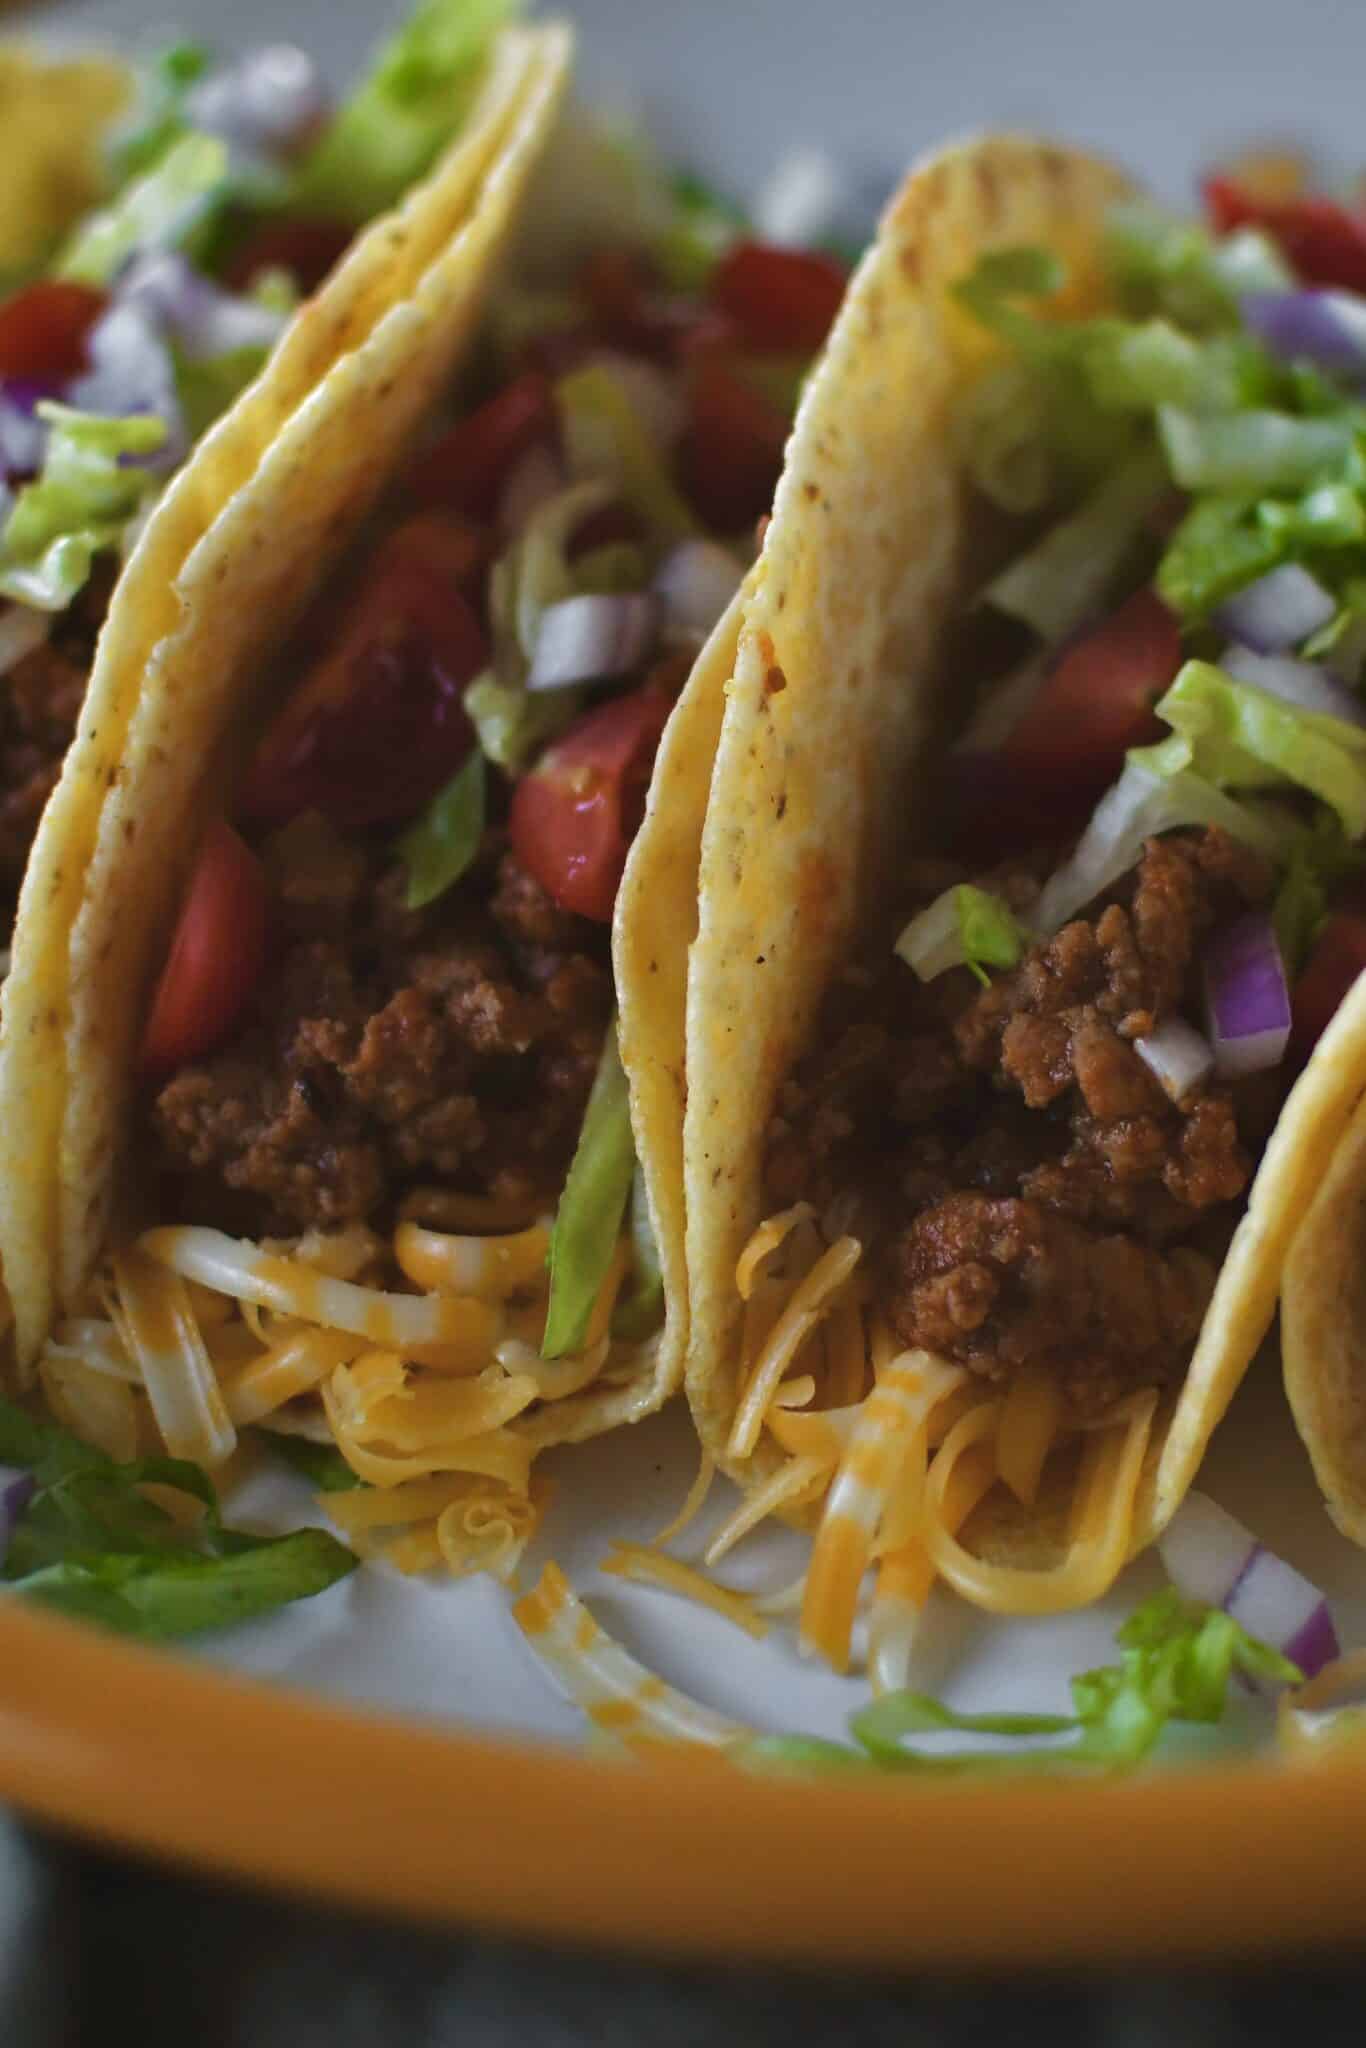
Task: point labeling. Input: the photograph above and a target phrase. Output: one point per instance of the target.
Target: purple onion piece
(1279, 610)
(1301, 683)
(1323, 327)
(1247, 999)
(1315, 1644)
(16, 1491)
(1178, 1056)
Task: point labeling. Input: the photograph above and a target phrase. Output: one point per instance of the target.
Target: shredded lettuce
(1176, 1664)
(439, 846)
(641, 1306)
(604, 437)
(512, 723)
(701, 224)
(1059, 583)
(158, 120)
(420, 88)
(79, 505)
(963, 927)
(588, 1220)
(1254, 453)
(91, 1544)
(157, 211)
(1150, 797)
(1177, 268)
(322, 1465)
(1240, 737)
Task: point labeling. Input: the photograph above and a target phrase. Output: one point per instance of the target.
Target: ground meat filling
(40, 702)
(1028, 1191)
(387, 1048)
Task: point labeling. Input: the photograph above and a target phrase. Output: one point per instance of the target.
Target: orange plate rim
(680, 1853)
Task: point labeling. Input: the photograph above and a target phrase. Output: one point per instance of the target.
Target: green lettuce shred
(92, 1545)
(78, 506)
(1176, 1664)
(604, 437)
(419, 90)
(439, 846)
(988, 930)
(1056, 585)
(1240, 737)
(640, 1309)
(157, 211)
(588, 1220)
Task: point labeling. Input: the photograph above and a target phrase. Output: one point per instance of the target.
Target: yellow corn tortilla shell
(824, 746)
(1323, 1302)
(234, 551)
(54, 114)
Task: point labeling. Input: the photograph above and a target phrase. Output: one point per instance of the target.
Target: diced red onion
(1323, 327)
(695, 582)
(1278, 611)
(206, 321)
(532, 482)
(16, 1491)
(1301, 683)
(655, 397)
(269, 103)
(1211, 1557)
(1246, 996)
(22, 629)
(1179, 1057)
(590, 639)
(132, 372)
(23, 436)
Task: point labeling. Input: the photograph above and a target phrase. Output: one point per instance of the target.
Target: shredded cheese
(650, 1567)
(693, 1502)
(491, 1268)
(887, 1447)
(1030, 1415)
(1112, 1469)
(791, 1486)
(619, 1696)
(809, 1303)
(161, 1335)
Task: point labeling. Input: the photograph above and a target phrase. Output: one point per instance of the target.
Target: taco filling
(384, 1123)
(232, 189)
(1002, 1177)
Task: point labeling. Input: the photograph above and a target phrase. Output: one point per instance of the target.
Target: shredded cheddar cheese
(619, 1696)
(650, 1567)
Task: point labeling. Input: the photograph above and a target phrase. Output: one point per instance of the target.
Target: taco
(231, 190)
(338, 1059)
(1040, 771)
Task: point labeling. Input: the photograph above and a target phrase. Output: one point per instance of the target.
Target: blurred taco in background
(1025, 885)
(227, 193)
(367, 1064)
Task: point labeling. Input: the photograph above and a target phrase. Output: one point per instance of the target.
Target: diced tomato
(1324, 242)
(44, 329)
(1098, 701)
(465, 468)
(216, 955)
(1069, 744)
(782, 300)
(574, 816)
(732, 450)
(1332, 967)
(307, 247)
(455, 552)
(377, 724)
